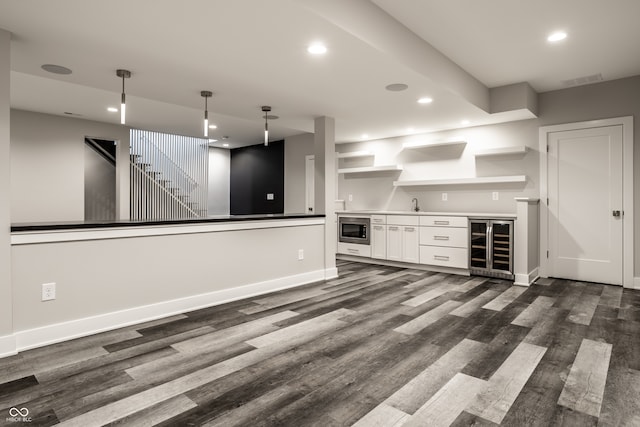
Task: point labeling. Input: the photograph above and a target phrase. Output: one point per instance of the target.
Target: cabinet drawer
(354, 249)
(444, 221)
(378, 219)
(403, 220)
(444, 236)
(445, 257)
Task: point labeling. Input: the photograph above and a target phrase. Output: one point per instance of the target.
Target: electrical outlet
(300, 254)
(48, 291)
(444, 197)
(351, 197)
(269, 196)
(495, 195)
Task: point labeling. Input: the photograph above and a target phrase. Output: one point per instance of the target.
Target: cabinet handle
(409, 229)
(441, 257)
(353, 251)
(440, 237)
(441, 222)
(377, 227)
(393, 228)
(379, 221)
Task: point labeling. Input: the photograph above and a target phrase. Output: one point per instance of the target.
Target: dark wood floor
(379, 346)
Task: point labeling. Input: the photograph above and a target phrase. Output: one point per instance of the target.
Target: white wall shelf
(369, 169)
(354, 154)
(433, 144)
(502, 151)
(463, 181)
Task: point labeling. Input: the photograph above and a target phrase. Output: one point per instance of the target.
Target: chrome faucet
(414, 205)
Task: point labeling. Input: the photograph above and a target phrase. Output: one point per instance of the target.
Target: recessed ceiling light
(225, 145)
(213, 140)
(410, 130)
(364, 136)
(213, 127)
(317, 49)
(465, 122)
(557, 36)
(56, 69)
(396, 87)
(112, 109)
(425, 100)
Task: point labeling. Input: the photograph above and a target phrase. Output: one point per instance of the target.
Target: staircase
(161, 188)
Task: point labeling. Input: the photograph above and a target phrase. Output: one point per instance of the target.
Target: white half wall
(155, 276)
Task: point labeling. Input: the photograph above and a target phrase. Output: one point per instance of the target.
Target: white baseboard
(51, 334)
(330, 273)
(636, 283)
(526, 279)
(8, 346)
(425, 267)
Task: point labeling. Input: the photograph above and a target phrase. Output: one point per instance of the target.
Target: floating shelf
(415, 145)
(368, 169)
(353, 154)
(502, 151)
(463, 181)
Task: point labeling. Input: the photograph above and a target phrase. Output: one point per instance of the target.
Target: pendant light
(266, 109)
(124, 74)
(206, 94)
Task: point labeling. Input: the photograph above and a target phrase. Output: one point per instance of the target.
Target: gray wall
(47, 164)
(5, 190)
(219, 172)
(376, 191)
(598, 101)
(295, 150)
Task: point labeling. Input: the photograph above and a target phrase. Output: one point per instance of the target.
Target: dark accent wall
(257, 170)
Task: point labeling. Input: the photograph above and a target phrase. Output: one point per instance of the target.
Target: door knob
(616, 214)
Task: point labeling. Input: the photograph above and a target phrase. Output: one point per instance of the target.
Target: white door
(309, 173)
(585, 196)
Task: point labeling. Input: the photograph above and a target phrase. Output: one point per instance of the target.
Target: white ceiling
(253, 52)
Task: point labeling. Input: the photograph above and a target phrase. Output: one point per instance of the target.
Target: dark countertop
(76, 225)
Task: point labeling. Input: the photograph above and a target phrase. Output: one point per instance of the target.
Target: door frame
(628, 257)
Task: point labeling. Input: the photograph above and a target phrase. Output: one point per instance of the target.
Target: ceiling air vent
(578, 81)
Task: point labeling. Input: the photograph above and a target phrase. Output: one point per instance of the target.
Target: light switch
(269, 196)
(444, 197)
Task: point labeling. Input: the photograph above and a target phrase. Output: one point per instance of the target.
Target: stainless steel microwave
(354, 230)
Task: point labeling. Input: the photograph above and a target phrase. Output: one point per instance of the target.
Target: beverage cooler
(491, 248)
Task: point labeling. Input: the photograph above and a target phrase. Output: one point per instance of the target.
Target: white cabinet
(378, 241)
(354, 249)
(444, 236)
(394, 242)
(444, 241)
(403, 238)
(410, 245)
(443, 256)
